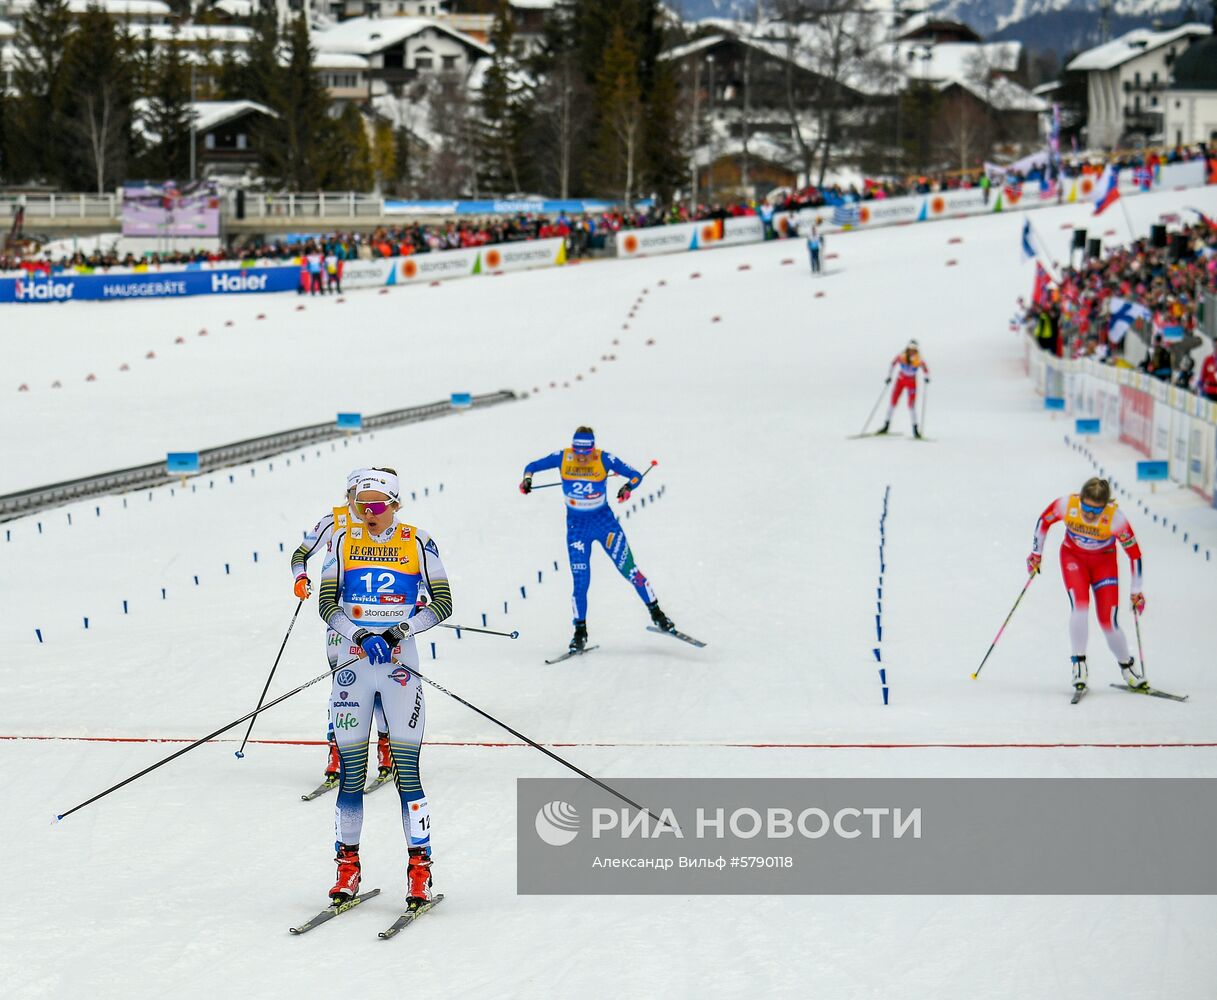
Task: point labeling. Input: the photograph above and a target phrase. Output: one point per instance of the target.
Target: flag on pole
(1039, 291)
(846, 214)
(1028, 249)
(1203, 218)
(1109, 190)
(1124, 313)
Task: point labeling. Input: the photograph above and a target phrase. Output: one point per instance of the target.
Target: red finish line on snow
(626, 746)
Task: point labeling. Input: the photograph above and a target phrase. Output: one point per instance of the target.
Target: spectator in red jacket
(1208, 376)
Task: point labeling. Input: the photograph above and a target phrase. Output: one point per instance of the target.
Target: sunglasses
(374, 508)
(1087, 509)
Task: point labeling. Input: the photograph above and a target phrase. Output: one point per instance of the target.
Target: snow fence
(1163, 422)
(119, 284)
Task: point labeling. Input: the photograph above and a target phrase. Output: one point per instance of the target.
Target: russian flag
(1109, 191)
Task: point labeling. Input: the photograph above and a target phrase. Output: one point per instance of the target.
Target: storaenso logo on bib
(557, 823)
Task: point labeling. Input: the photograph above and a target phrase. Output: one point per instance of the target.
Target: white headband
(354, 476)
(380, 482)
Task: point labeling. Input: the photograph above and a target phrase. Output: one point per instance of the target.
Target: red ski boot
(418, 877)
(347, 886)
(384, 756)
(333, 766)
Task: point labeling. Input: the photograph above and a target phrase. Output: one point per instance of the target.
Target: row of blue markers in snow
(426, 491)
(1165, 522)
(887, 492)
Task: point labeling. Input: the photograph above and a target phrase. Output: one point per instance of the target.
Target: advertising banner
(1136, 419)
(168, 284)
(171, 209)
(657, 239)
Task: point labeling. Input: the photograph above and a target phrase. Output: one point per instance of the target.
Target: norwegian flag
(1039, 291)
(1143, 177)
(1109, 188)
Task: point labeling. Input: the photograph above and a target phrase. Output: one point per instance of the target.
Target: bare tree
(100, 121)
(963, 129)
(829, 49)
(621, 106)
(561, 104)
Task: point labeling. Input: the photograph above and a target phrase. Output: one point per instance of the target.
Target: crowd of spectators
(983, 177)
(584, 233)
(1073, 318)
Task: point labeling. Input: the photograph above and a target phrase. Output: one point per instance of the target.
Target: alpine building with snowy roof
(1126, 82)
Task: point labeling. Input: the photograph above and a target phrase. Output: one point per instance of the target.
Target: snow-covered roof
(1133, 44)
(760, 147)
(367, 35)
(234, 34)
(534, 4)
(775, 48)
(957, 60)
(7, 30)
(338, 60)
(207, 114)
(236, 8)
(116, 8)
(1000, 94)
(690, 48)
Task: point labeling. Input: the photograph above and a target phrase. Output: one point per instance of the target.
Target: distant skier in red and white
(1093, 525)
(905, 366)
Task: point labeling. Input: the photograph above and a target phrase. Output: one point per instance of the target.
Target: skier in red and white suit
(1093, 525)
(905, 366)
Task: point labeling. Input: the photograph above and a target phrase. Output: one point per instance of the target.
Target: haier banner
(158, 285)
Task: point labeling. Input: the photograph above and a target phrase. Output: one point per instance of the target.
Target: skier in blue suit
(589, 520)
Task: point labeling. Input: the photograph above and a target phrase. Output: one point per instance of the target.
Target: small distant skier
(1093, 525)
(905, 366)
(589, 520)
(315, 261)
(372, 578)
(333, 272)
(815, 243)
(317, 539)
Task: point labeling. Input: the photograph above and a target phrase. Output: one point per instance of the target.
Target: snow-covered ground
(744, 383)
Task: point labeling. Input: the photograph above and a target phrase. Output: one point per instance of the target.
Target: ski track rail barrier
(27, 501)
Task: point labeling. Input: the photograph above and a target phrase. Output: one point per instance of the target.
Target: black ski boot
(1134, 678)
(1079, 672)
(662, 621)
(883, 429)
(579, 640)
(916, 431)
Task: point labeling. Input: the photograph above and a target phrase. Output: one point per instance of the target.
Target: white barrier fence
(1161, 421)
(443, 264)
(932, 207)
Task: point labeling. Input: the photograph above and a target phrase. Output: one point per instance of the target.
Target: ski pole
(241, 753)
(1136, 620)
(976, 675)
(483, 631)
(209, 736)
(871, 415)
(654, 462)
(536, 746)
(925, 402)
